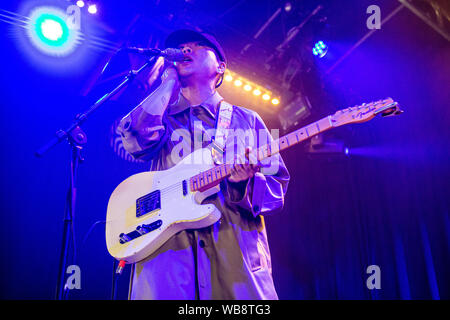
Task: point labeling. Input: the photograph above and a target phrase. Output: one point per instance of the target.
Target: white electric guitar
(146, 209)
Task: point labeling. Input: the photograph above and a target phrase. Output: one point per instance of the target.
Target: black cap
(185, 35)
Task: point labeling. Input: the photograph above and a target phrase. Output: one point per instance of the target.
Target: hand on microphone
(162, 69)
(169, 78)
(170, 73)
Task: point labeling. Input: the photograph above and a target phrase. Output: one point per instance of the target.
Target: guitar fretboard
(213, 176)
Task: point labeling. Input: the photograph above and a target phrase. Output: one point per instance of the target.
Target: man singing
(231, 258)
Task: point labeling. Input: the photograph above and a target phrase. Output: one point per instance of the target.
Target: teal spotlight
(50, 31)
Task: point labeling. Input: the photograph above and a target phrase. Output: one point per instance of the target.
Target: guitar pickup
(185, 189)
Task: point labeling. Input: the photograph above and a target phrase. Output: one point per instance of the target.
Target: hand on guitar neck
(244, 169)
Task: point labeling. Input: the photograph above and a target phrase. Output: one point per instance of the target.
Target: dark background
(385, 204)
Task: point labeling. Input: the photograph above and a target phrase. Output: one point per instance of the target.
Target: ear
(221, 67)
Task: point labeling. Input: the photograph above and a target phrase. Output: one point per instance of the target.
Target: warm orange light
(249, 86)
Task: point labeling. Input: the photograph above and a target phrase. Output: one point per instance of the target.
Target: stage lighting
(92, 9)
(287, 6)
(296, 111)
(52, 30)
(80, 3)
(49, 31)
(320, 49)
(239, 85)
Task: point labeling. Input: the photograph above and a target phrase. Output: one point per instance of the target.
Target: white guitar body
(179, 208)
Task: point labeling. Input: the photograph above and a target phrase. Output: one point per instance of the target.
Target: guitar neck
(213, 176)
(293, 138)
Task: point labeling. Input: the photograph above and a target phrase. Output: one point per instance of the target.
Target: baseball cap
(178, 37)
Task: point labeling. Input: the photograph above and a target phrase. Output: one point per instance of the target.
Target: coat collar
(211, 104)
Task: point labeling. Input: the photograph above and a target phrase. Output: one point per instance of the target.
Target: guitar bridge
(140, 230)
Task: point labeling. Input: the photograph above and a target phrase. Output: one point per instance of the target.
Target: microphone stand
(77, 139)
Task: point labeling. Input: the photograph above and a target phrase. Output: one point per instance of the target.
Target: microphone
(171, 54)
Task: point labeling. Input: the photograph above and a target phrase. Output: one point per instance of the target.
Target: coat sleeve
(143, 134)
(264, 192)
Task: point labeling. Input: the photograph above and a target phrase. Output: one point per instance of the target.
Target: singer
(231, 258)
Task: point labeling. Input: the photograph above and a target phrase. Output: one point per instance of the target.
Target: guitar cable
(120, 267)
(117, 271)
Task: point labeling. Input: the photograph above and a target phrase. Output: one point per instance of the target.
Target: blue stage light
(320, 49)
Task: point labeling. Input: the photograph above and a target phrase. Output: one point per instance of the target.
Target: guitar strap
(223, 121)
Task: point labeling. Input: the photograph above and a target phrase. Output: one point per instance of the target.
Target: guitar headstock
(366, 112)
